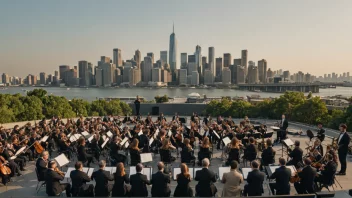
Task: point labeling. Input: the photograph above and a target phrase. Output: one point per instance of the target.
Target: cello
(4, 169)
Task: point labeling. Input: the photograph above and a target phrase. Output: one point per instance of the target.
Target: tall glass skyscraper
(173, 51)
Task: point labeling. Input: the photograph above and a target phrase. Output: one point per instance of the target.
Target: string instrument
(4, 169)
(59, 172)
(295, 178)
(38, 148)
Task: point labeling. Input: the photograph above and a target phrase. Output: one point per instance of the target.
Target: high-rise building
(43, 79)
(262, 70)
(191, 58)
(62, 70)
(83, 73)
(211, 62)
(156, 75)
(117, 57)
(244, 57)
(227, 59)
(241, 75)
(218, 62)
(182, 77)
(237, 61)
(71, 78)
(183, 60)
(151, 54)
(5, 78)
(198, 55)
(252, 73)
(163, 57)
(208, 77)
(90, 74)
(126, 73)
(134, 76)
(108, 74)
(165, 76)
(286, 74)
(98, 77)
(147, 69)
(270, 73)
(173, 51)
(138, 58)
(195, 78)
(226, 76)
(233, 69)
(191, 67)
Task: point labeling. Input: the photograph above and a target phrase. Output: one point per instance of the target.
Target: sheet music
(226, 140)
(90, 172)
(104, 137)
(293, 169)
(68, 172)
(288, 142)
(77, 136)
(146, 157)
(245, 172)
(111, 119)
(140, 133)
(223, 170)
(151, 141)
(216, 134)
(104, 127)
(106, 141)
(44, 139)
(201, 131)
(127, 144)
(91, 138)
(61, 160)
(109, 134)
(169, 133)
(20, 150)
(85, 133)
(123, 141)
(178, 171)
(85, 169)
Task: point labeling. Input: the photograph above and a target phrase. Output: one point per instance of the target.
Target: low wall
(185, 109)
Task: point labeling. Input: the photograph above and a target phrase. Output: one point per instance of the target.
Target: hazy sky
(310, 36)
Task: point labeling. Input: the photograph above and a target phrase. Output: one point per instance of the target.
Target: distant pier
(280, 88)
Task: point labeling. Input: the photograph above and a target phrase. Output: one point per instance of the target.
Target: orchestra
(121, 141)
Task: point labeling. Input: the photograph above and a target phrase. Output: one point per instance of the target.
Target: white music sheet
(20, 150)
(274, 128)
(61, 160)
(90, 172)
(226, 140)
(44, 139)
(140, 133)
(146, 157)
(106, 141)
(109, 134)
(201, 131)
(123, 141)
(216, 134)
(77, 136)
(104, 137)
(293, 169)
(245, 172)
(91, 138)
(223, 170)
(288, 142)
(145, 171)
(178, 171)
(68, 172)
(85, 133)
(127, 144)
(151, 141)
(169, 133)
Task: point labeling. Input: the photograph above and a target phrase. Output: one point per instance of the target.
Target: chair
(187, 157)
(39, 180)
(331, 183)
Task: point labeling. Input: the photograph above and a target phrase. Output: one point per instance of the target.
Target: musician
(282, 176)
(251, 150)
(82, 154)
(102, 178)
(175, 117)
(52, 181)
(165, 151)
(281, 134)
(219, 120)
(207, 133)
(331, 151)
(234, 151)
(7, 153)
(321, 132)
(343, 141)
(187, 153)
(42, 165)
(307, 176)
(161, 118)
(144, 141)
(79, 180)
(232, 181)
(268, 154)
(183, 188)
(204, 150)
(317, 146)
(127, 119)
(160, 182)
(137, 104)
(255, 179)
(207, 120)
(139, 183)
(296, 155)
(114, 148)
(121, 178)
(64, 145)
(246, 121)
(206, 179)
(326, 176)
(135, 153)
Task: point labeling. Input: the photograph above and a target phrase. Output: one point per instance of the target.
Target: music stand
(223, 170)
(288, 143)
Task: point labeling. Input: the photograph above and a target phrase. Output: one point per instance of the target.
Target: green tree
(310, 95)
(126, 109)
(113, 108)
(6, 115)
(80, 107)
(311, 111)
(40, 93)
(337, 117)
(161, 99)
(58, 106)
(239, 108)
(99, 106)
(32, 108)
(287, 102)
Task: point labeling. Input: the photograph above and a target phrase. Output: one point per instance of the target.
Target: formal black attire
(19, 161)
(187, 155)
(205, 187)
(296, 155)
(135, 157)
(144, 143)
(321, 134)
(119, 188)
(115, 155)
(42, 167)
(160, 185)
(254, 186)
(234, 154)
(139, 184)
(268, 156)
(343, 150)
(53, 185)
(327, 175)
(83, 156)
(281, 134)
(137, 104)
(102, 187)
(203, 153)
(250, 152)
(306, 184)
(183, 188)
(79, 186)
(282, 176)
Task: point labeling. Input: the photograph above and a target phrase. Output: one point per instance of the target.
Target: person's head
(166, 143)
(255, 164)
(283, 116)
(206, 141)
(205, 162)
(234, 141)
(233, 164)
(307, 161)
(251, 140)
(297, 143)
(52, 164)
(161, 166)
(184, 169)
(282, 161)
(137, 97)
(343, 127)
(81, 141)
(329, 157)
(139, 168)
(269, 143)
(102, 164)
(146, 131)
(120, 169)
(320, 125)
(186, 141)
(78, 165)
(45, 155)
(134, 144)
(317, 142)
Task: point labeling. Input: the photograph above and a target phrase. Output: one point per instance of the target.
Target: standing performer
(321, 132)
(281, 134)
(343, 141)
(137, 104)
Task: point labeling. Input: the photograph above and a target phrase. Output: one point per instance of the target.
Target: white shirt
(340, 137)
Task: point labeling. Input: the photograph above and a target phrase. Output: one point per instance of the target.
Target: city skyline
(45, 35)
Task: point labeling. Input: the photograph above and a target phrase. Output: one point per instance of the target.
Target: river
(149, 93)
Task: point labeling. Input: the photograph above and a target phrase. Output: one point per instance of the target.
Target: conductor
(137, 104)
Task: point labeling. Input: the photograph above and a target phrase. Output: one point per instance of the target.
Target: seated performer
(307, 176)
(282, 176)
(82, 153)
(52, 180)
(251, 150)
(255, 179)
(160, 183)
(187, 153)
(206, 179)
(183, 188)
(79, 180)
(121, 179)
(102, 178)
(139, 183)
(296, 155)
(135, 153)
(42, 165)
(268, 154)
(204, 150)
(232, 181)
(327, 173)
(234, 151)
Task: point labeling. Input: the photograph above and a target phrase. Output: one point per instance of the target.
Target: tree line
(294, 105)
(37, 104)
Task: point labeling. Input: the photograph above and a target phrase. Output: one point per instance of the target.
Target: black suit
(254, 186)
(282, 176)
(327, 174)
(343, 149)
(139, 184)
(250, 152)
(119, 189)
(137, 104)
(321, 134)
(83, 156)
(41, 166)
(268, 156)
(160, 185)
(79, 186)
(205, 187)
(53, 185)
(281, 134)
(306, 185)
(296, 156)
(284, 125)
(144, 143)
(102, 187)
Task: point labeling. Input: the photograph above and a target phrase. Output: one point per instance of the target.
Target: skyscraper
(227, 59)
(183, 60)
(226, 76)
(244, 57)
(83, 73)
(42, 76)
(173, 51)
(241, 76)
(198, 55)
(182, 77)
(138, 58)
(252, 74)
(191, 59)
(117, 58)
(262, 69)
(195, 78)
(163, 57)
(156, 75)
(211, 61)
(208, 77)
(151, 54)
(147, 69)
(62, 70)
(218, 66)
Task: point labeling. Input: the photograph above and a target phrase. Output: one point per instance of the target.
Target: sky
(311, 36)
